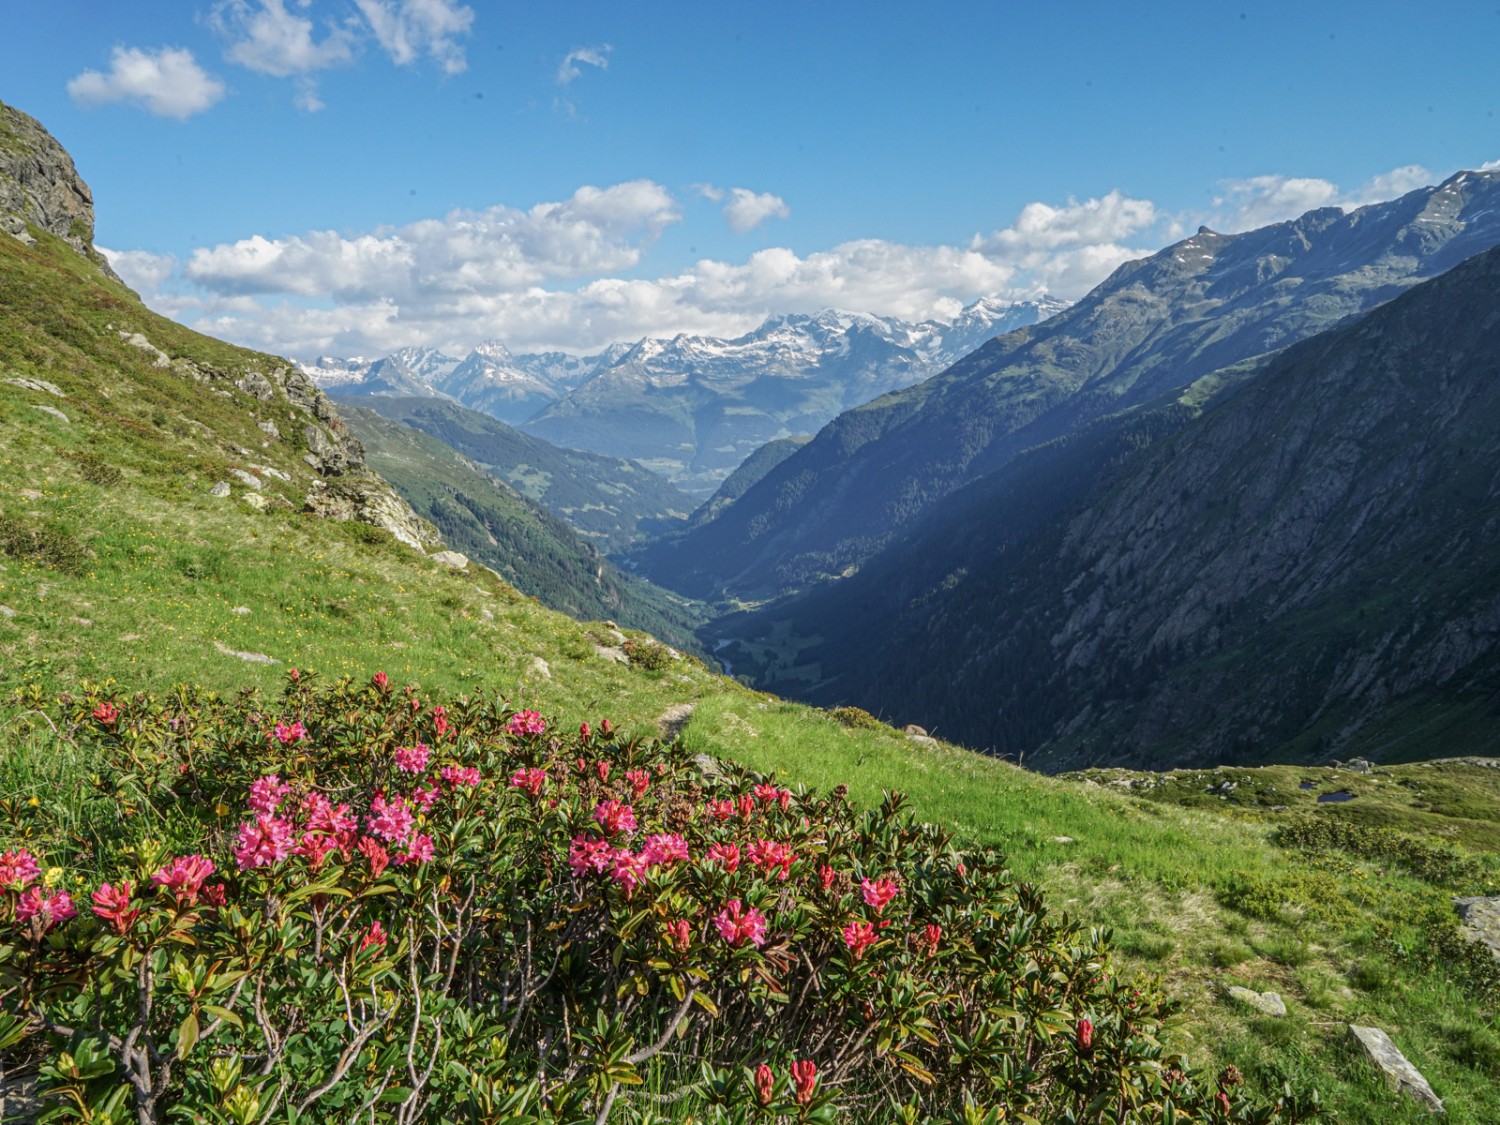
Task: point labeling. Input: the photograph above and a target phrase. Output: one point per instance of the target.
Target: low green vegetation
(114, 586)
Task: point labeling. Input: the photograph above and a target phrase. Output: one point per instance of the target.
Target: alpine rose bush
(460, 912)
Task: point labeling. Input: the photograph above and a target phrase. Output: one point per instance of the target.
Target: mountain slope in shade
(489, 521)
(610, 502)
(1151, 329)
(750, 470)
(694, 407)
(1308, 569)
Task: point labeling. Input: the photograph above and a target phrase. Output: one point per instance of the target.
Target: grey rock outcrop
(1394, 1065)
(1267, 1003)
(371, 501)
(1480, 920)
(39, 185)
(247, 657)
(40, 385)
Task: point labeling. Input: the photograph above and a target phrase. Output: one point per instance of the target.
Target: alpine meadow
(480, 648)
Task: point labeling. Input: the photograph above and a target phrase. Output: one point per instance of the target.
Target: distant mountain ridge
(611, 502)
(1151, 329)
(1308, 568)
(691, 407)
(694, 407)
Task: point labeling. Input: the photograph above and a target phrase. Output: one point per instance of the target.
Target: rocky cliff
(39, 186)
(78, 335)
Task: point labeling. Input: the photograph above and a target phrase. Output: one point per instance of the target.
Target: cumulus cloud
(550, 276)
(496, 250)
(1262, 200)
(708, 191)
(568, 70)
(269, 39)
(142, 270)
(167, 82)
(1042, 227)
(746, 209)
(411, 29)
(570, 274)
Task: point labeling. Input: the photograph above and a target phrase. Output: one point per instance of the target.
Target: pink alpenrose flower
(113, 905)
(859, 936)
(50, 910)
(615, 817)
(737, 925)
(17, 869)
(183, 877)
(805, 1078)
(878, 893)
(526, 722)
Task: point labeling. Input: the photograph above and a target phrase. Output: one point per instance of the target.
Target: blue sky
(350, 176)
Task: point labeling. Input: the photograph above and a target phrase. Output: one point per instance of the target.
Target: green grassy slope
(136, 573)
(610, 501)
(488, 520)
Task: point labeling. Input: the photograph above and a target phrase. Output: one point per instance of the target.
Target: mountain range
(189, 528)
(611, 502)
(1151, 329)
(1258, 554)
(690, 407)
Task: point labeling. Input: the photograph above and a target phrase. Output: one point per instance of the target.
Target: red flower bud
(805, 1076)
(1085, 1035)
(765, 1084)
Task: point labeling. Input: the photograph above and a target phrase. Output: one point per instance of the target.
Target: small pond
(1335, 798)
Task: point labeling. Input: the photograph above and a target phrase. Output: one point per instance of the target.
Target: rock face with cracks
(39, 186)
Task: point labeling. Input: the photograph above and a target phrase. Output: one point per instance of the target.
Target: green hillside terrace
(121, 572)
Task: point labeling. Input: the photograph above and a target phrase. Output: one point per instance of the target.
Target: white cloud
(708, 191)
(142, 270)
(492, 251)
(569, 274)
(1262, 200)
(409, 29)
(268, 39)
(1041, 227)
(168, 82)
(549, 276)
(746, 209)
(568, 70)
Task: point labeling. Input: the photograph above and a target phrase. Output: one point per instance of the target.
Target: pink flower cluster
(615, 817)
(17, 869)
(859, 936)
(459, 776)
(113, 905)
(267, 793)
(320, 828)
(770, 855)
(184, 877)
(529, 781)
(737, 925)
(526, 722)
(51, 910)
(596, 855)
(771, 795)
(878, 893)
(412, 759)
(106, 713)
(290, 732)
